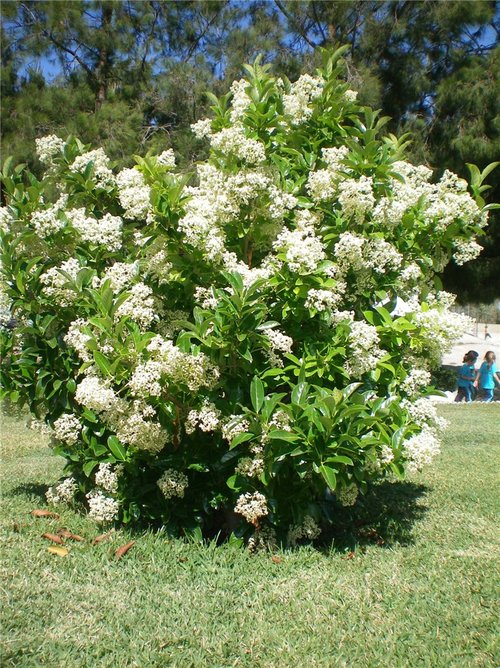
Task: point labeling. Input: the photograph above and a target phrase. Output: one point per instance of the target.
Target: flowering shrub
(245, 352)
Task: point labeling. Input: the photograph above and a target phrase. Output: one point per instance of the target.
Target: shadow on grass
(33, 491)
(385, 516)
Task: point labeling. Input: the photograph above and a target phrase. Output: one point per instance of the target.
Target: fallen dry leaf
(60, 551)
(124, 549)
(350, 555)
(53, 537)
(276, 560)
(103, 536)
(44, 513)
(67, 534)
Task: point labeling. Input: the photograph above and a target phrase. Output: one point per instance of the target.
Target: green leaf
(117, 449)
(241, 438)
(342, 459)
(88, 467)
(257, 393)
(329, 476)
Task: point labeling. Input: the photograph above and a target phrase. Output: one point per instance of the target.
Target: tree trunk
(103, 68)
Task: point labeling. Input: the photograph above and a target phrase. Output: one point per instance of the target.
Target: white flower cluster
(234, 426)
(322, 184)
(195, 371)
(233, 141)
(240, 100)
(308, 530)
(415, 381)
(202, 128)
(105, 231)
(102, 508)
(95, 394)
(248, 275)
(335, 317)
(296, 104)
(386, 454)
(120, 275)
(48, 221)
(348, 252)
(138, 427)
(155, 263)
(251, 468)
(67, 428)
(48, 147)
(420, 450)
(166, 158)
(107, 477)
(302, 249)
(440, 329)
(347, 495)
(100, 166)
(207, 418)
(173, 483)
(424, 414)
(364, 350)
(140, 306)
(356, 197)
(279, 343)
(6, 219)
(465, 251)
(78, 339)
(64, 492)
(55, 283)
(252, 506)
(321, 300)
(134, 194)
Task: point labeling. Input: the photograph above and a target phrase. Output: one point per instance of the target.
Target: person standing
(487, 335)
(466, 377)
(487, 376)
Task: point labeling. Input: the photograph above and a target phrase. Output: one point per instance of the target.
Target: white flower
(54, 282)
(303, 251)
(107, 477)
(48, 221)
(415, 381)
(320, 300)
(173, 483)
(251, 468)
(6, 219)
(96, 395)
(252, 506)
(102, 508)
(167, 158)
(420, 450)
(134, 194)
(240, 100)
(120, 275)
(64, 492)
(234, 426)
(363, 344)
(48, 147)
(207, 418)
(100, 165)
(140, 306)
(233, 141)
(356, 197)
(67, 428)
(465, 251)
(296, 103)
(202, 128)
(138, 427)
(105, 231)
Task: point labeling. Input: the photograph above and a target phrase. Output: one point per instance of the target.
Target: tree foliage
(131, 76)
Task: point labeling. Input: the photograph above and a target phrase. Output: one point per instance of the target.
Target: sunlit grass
(413, 583)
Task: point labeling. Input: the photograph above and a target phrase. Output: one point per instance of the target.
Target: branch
(293, 22)
(194, 46)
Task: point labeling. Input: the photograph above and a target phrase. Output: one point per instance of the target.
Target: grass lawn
(414, 584)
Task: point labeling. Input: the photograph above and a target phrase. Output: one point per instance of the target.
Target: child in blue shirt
(487, 376)
(466, 377)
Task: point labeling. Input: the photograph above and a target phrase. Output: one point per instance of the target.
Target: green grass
(424, 595)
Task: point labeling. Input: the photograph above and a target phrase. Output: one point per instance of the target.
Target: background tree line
(131, 76)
